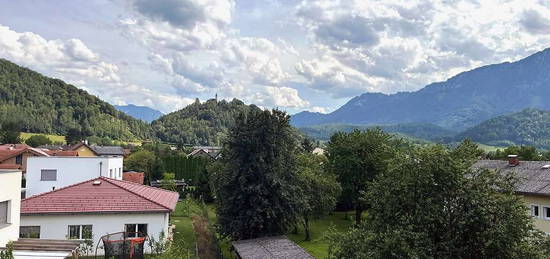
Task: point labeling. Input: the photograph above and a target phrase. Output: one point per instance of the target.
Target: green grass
(317, 246)
(488, 148)
(54, 138)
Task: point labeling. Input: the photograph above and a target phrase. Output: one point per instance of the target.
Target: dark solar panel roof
(278, 247)
(533, 177)
(108, 150)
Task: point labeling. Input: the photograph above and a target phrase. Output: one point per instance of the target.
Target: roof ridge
(62, 188)
(115, 182)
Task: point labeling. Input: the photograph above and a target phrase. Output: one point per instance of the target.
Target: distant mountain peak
(143, 113)
(461, 101)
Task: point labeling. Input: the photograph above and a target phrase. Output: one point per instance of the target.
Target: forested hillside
(204, 123)
(528, 127)
(45, 105)
(415, 130)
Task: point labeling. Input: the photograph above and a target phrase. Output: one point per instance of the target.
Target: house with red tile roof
(94, 208)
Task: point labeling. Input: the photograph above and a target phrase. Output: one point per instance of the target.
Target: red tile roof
(109, 196)
(9, 153)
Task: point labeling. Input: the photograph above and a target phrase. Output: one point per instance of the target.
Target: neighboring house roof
(534, 175)
(269, 248)
(212, 152)
(98, 150)
(108, 150)
(109, 196)
(10, 166)
(61, 152)
(13, 146)
(7, 154)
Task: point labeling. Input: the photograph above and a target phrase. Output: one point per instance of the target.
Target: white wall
(10, 190)
(56, 226)
(70, 170)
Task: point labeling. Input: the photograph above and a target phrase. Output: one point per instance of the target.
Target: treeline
(199, 123)
(41, 104)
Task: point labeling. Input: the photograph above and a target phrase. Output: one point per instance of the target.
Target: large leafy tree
(431, 204)
(141, 161)
(257, 191)
(357, 158)
(10, 133)
(38, 140)
(320, 189)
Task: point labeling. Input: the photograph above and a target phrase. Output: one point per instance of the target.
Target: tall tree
(320, 189)
(357, 158)
(38, 140)
(257, 192)
(430, 204)
(10, 133)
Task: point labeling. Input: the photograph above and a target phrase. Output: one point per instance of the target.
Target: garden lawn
(54, 138)
(317, 246)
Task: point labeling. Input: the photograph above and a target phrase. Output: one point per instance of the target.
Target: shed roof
(277, 247)
(109, 196)
(534, 178)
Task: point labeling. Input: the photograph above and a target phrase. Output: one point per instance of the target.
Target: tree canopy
(256, 185)
(430, 204)
(356, 158)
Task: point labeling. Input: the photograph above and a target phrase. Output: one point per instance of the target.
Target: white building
(49, 173)
(10, 201)
(94, 208)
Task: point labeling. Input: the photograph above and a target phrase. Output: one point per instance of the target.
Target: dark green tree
(10, 133)
(356, 158)
(433, 205)
(320, 189)
(141, 161)
(38, 140)
(257, 192)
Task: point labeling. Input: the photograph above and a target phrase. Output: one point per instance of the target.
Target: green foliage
(526, 153)
(205, 123)
(529, 127)
(141, 161)
(430, 204)
(320, 189)
(38, 140)
(409, 130)
(357, 158)
(8, 253)
(257, 193)
(168, 182)
(468, 152)
(10, 133)
(45, 105)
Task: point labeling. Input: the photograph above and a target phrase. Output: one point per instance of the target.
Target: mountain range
(143, 113)
(458, 103)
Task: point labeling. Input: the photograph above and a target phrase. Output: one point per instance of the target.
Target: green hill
(199, 123)
(421, 131)
(528, 127)
(41, 104)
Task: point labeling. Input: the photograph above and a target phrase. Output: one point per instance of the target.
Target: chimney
(513, 160)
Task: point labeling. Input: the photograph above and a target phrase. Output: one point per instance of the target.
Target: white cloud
(396, 45)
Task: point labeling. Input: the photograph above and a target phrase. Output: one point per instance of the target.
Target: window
(80, 232)
(111, 173)
(546, 213)
(535, 211)
(19, 159)
(4, 210)
(29, 232)
(48, 175)
(134, 229)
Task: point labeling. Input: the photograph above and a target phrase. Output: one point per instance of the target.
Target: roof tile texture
(109, 196)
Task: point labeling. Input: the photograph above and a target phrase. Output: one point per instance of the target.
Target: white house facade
(100, 224)
(10, 202)
(97, 207)
(45, 174)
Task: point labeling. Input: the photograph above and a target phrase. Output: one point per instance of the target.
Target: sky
(293, 55)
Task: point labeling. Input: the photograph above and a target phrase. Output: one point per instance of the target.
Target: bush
(38, 140)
